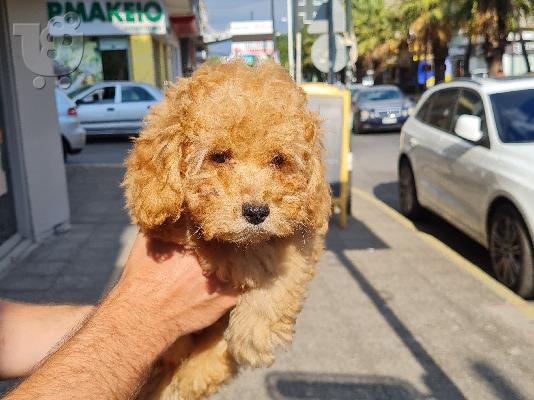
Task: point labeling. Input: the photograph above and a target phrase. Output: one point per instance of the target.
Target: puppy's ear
(319, 197)
(153, 182)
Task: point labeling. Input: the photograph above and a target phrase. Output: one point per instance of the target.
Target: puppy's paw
(250, 342)
(282, 332)
(194, 388)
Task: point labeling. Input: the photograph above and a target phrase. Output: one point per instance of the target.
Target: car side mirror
(468, 127)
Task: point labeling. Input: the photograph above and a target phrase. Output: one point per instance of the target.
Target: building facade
(252, 40)
(137, 40)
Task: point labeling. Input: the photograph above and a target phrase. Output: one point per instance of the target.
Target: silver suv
(467, 154)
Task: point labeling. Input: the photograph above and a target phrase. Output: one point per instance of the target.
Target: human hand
(165, 284)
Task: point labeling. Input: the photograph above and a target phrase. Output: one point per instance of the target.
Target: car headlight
(364, 115)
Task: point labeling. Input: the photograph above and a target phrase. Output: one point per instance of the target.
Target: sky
(222, 12)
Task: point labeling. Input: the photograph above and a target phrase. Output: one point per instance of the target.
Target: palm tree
(431, 24)
(374, 25)
(493, 20)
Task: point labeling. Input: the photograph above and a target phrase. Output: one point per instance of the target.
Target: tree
(281, 46)
(374, 27)
(493, 20)
(431, 23)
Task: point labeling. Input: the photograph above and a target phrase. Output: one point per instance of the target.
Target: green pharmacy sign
(113, 17)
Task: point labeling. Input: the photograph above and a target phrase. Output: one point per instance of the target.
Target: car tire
(356, 125)
(511, 252)
(409, 204)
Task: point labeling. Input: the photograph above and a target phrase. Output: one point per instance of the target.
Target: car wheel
(409, 204)
(511, 251)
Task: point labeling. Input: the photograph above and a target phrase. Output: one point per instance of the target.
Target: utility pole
(348, 28)
(298, 45)
(331, 41)
(274, 30)
(290, 38)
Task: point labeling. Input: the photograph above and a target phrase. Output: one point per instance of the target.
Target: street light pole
(348, 28)
(290, 42)
(331, 41)
(274, 30)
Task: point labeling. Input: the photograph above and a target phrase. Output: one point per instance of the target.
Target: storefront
(122, 41)
(33, 187)
(252, 40)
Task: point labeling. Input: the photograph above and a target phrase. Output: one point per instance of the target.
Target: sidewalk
(388, 316)
(77, 266)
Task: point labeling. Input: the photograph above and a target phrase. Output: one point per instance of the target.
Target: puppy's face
(247, 181)
(238, 151)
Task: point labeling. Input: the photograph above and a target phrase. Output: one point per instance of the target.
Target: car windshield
(75, 92)
(514, 115)
(377, 95)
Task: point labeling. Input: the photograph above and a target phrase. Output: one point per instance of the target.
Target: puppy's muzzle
(255, 213)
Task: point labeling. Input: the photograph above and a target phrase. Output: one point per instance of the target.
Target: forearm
(104, 360)
(28, 332)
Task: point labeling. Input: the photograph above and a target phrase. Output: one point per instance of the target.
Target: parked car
(380, 107)
(115, 107)
(354, 90)
(73, 135)
(468, 155)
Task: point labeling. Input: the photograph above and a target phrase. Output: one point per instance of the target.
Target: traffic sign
(320, 22)
(319, 53)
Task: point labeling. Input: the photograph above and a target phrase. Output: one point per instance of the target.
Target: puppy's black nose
(255, 213)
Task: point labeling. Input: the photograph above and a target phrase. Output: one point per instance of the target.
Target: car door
(433, 126)
(133, 106)
(98, 109)
(469, 178)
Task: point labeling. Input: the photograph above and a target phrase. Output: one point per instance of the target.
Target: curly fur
(233, 134)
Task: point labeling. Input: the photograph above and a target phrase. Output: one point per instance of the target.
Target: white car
(115, 107)
(468, 155)
(73, 135)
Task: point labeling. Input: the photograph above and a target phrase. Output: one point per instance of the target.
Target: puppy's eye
(220, 157)
(278, 160)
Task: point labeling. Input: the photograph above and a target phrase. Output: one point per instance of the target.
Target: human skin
(28, 332)
(161, 296)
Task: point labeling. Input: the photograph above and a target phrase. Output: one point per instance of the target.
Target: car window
(135, 93)
(76, 92)
(100, 96)
(377, 95)
(441, 109)
(421, 114)
(470, 103)
(514, 115)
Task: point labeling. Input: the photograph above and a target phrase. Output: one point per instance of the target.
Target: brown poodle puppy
(230, 165)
